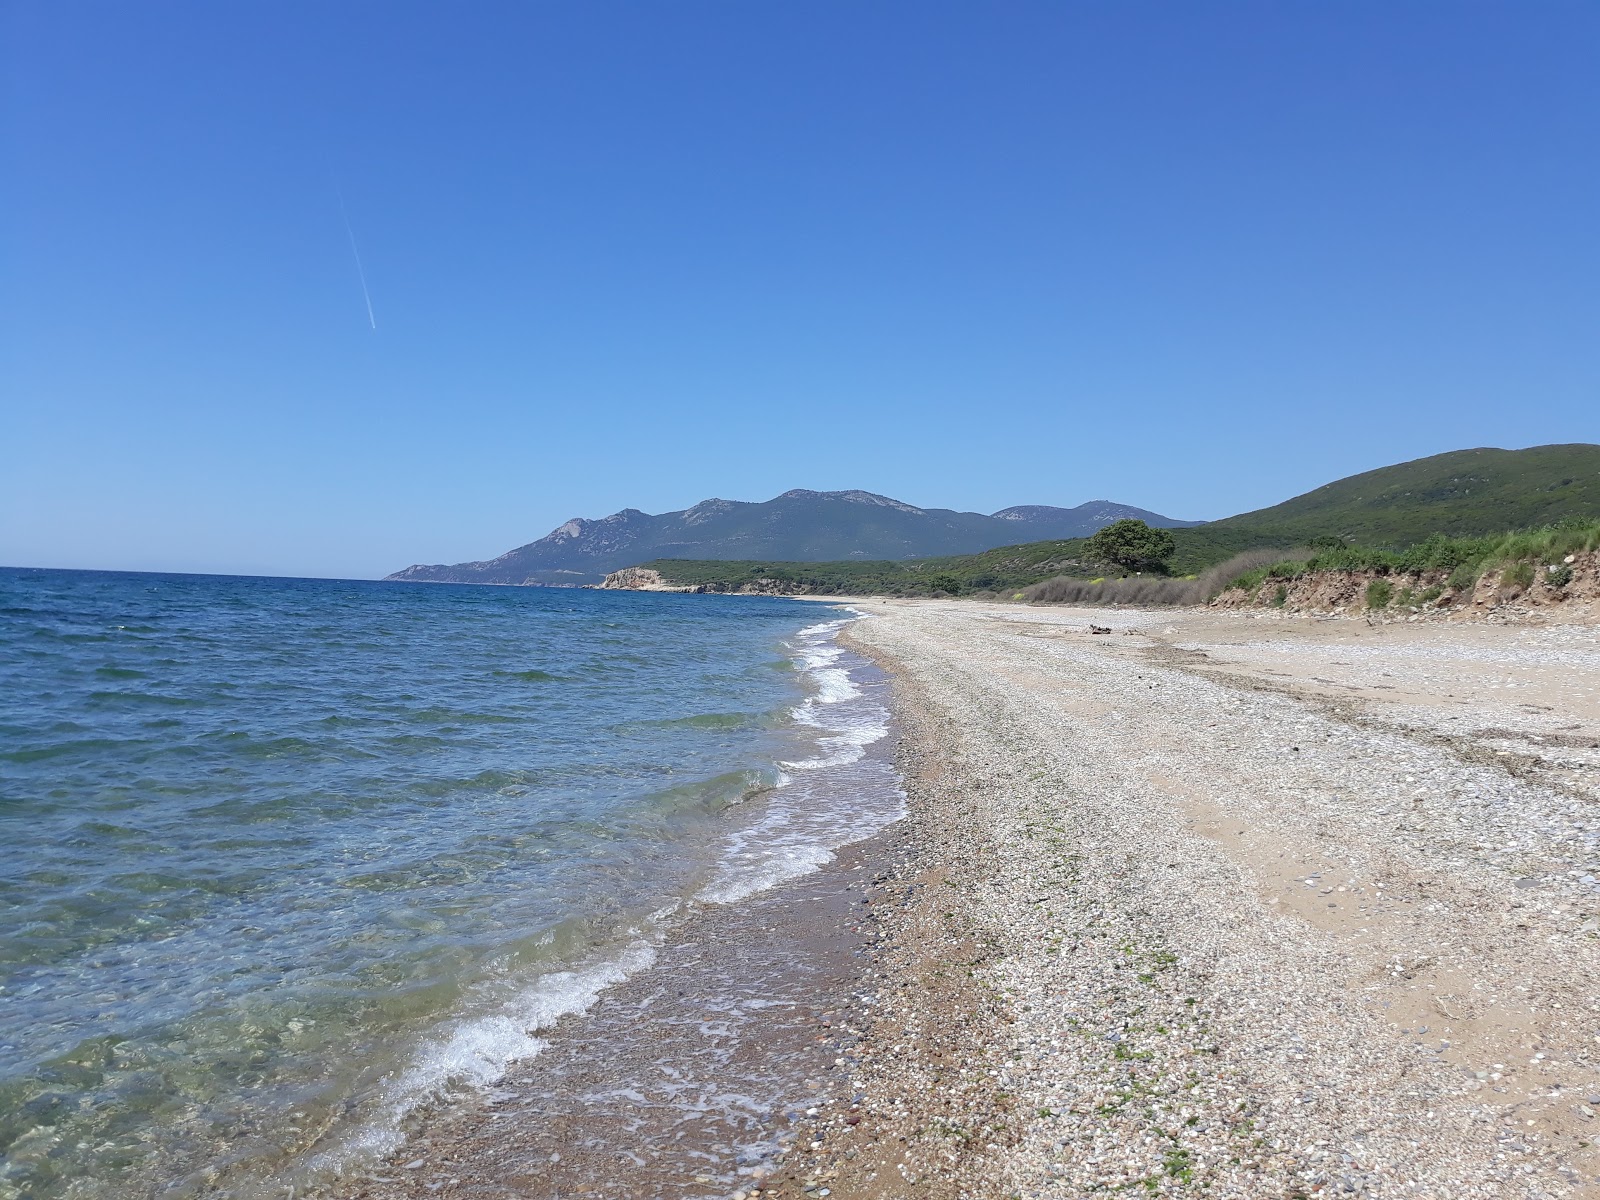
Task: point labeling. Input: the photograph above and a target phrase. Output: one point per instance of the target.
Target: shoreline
(663, 1088)
(690, 1077)
(1213, 905)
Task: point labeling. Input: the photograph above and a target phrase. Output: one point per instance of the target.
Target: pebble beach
(1226, 904)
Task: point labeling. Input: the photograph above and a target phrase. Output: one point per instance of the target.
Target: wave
(805, 818)
(710, 721)
(531, 676)
(130, 697)
(833, 797)
(473, 1053)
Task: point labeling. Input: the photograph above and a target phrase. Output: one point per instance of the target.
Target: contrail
(360, 271)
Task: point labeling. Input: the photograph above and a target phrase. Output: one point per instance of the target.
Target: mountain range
(1482, 492)
(798, 526)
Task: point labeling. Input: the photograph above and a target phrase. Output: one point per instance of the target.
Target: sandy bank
(1229, 906)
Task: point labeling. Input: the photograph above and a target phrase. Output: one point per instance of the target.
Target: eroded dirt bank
(1229, 906)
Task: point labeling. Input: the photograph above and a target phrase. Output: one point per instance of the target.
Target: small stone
(413, 1165)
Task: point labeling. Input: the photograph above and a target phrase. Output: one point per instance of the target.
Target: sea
(284, 862)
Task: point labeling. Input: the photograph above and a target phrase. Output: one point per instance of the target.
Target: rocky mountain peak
(800, 525)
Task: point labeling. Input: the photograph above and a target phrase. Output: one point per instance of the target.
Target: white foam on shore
(841, 746)
(475, 1052)
(833, 796)
(817, 804)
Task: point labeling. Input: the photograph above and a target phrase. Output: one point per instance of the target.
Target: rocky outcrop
(640, 579)
(646, 579)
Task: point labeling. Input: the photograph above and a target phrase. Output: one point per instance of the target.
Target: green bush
(1250, 580)
(1281, 596)
(1379, 592)
(1558, 576)
(1441, 553)
(1354, 558)
(1429, 594)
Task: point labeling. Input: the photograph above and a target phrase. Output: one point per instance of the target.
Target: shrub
(1353, 558)
(1441, 553)
(1281, 596)
(1249, 581)
(1153, 589)
(1518, 575)
(1464, 578)
(943, 581)
(1429, 594)
(1558, 576)
(1379, 592)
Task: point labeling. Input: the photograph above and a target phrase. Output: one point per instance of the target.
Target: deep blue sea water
(281, 860)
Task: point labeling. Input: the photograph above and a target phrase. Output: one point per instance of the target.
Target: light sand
(1236, 906)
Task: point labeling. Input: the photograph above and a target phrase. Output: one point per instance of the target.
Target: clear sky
(1195, 256)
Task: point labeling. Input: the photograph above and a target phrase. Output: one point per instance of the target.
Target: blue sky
(1193, 256)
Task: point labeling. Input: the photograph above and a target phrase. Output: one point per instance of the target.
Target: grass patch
(1465, 577)
(1179, 1164)
(1518, 575)
(1153, 589)
(1379, 593)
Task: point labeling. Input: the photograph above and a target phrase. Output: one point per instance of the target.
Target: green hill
(1464, 493)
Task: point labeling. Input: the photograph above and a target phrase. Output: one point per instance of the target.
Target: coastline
(690, 1075)
(690, 1079)
(1217, 904)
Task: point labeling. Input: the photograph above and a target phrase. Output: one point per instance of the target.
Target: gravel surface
(1188, 908)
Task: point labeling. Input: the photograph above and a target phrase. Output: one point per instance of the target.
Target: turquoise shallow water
(280, 859)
